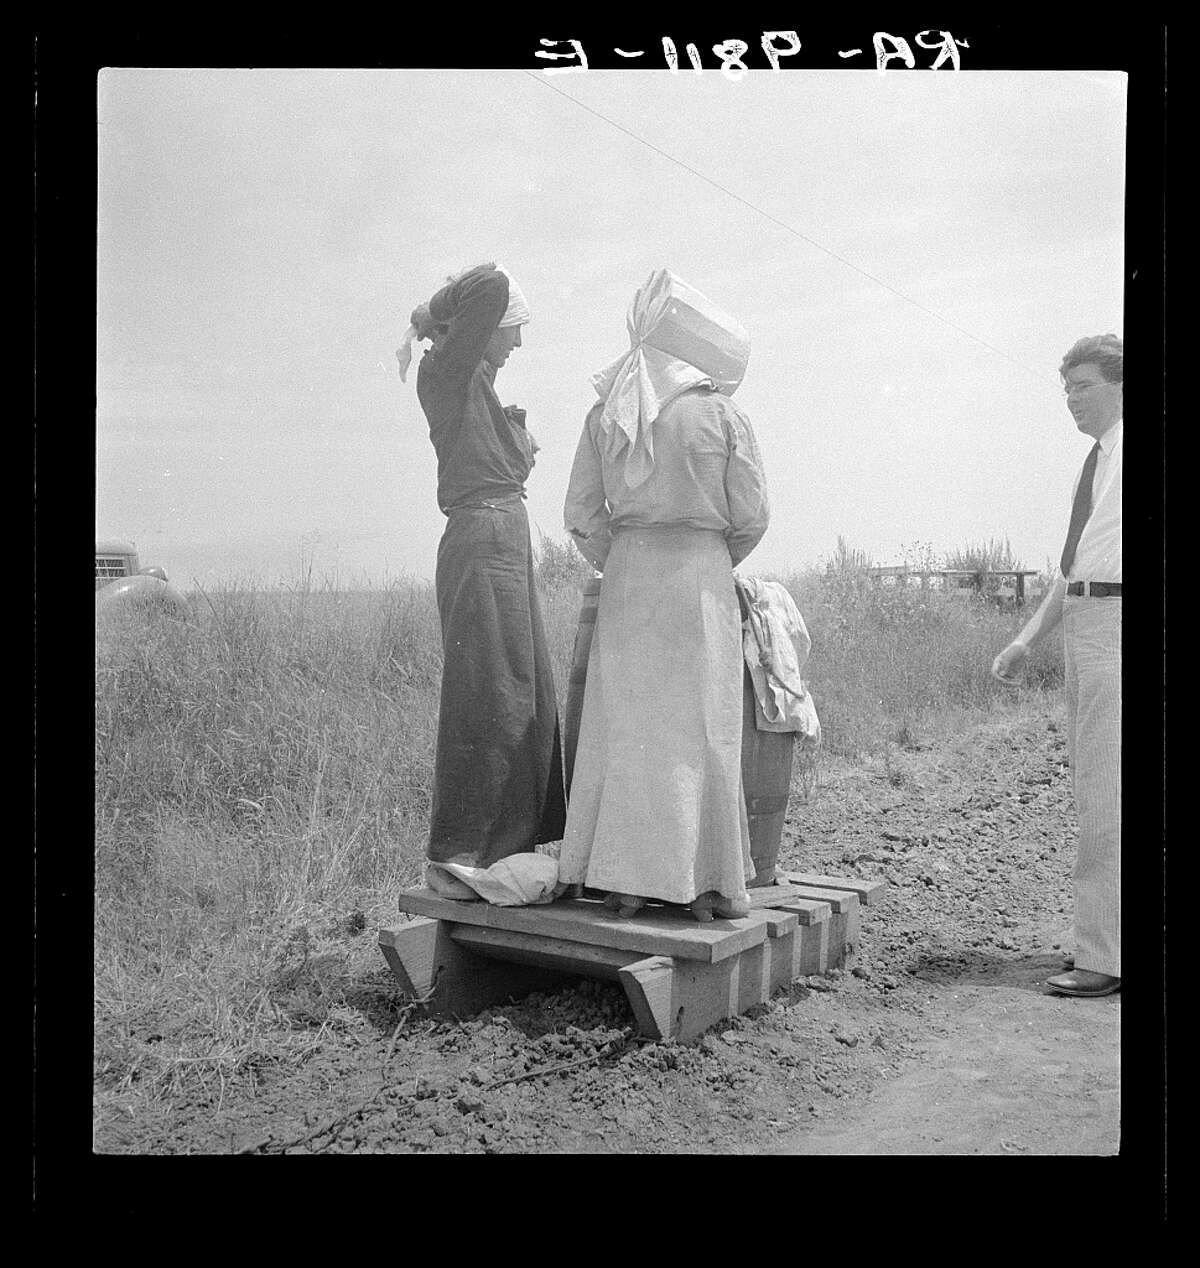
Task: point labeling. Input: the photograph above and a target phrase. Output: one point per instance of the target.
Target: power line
(789, 228)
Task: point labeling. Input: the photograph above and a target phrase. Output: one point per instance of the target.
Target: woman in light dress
(666, 497)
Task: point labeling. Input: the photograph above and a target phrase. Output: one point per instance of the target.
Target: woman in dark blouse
(498, 786)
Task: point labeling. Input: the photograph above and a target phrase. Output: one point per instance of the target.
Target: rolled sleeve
(586, 513)
(745, 490)
(472, 307)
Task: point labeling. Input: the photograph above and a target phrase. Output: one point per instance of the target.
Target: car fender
(142, 591)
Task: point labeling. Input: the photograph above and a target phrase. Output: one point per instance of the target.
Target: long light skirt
(656, 804)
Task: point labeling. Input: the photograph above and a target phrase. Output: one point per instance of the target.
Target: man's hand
(1009, 666)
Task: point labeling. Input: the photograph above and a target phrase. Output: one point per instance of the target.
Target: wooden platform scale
(679, 975)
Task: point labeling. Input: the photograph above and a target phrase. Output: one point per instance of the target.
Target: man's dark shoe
(1083, 983)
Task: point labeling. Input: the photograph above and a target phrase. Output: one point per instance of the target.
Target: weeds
(983, 556)
(262, 789)
(890, 662)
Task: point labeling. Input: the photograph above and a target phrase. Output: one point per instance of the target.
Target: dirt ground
(938, 1038)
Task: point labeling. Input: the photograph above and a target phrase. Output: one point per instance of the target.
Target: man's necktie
(1081, 508)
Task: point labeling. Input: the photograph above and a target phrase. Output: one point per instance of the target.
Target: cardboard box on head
(683, 323)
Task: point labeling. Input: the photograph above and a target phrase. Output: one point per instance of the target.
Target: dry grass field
(262, 779)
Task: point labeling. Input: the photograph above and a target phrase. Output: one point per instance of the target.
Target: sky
(912, 253)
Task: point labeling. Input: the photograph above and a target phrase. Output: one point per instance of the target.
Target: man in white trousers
(1086, 598)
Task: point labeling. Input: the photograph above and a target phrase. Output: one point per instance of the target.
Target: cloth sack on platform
(519, 880)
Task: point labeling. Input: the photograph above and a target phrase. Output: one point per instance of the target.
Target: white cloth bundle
(515, 881)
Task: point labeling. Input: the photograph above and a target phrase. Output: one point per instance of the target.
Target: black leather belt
(1096, 589)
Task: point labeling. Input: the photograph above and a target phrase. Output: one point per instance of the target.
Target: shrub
(889, 661)
(559, 565)
(983, 556)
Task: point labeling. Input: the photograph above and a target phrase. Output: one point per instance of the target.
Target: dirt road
(938, 1040)
(1008, 1069)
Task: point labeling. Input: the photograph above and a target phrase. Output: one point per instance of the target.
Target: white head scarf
(678, 340)
(516, 314)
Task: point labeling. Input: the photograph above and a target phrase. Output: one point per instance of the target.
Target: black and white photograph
(608, 587)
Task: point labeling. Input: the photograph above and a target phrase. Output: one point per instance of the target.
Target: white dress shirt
(1098, 555)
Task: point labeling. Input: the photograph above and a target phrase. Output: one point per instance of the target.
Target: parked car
(121, 584)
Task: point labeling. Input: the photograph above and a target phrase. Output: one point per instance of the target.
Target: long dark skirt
(498, 784)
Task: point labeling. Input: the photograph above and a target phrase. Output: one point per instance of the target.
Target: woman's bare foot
(447, 886)
(731, 908)
(625, 905)
(711, 904)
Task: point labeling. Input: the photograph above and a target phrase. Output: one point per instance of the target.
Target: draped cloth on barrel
(776, 644)
(498, 770)
(656, 807)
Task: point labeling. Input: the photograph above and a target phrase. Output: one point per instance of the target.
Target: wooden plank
(782, 949)
(751, 979)
(814, 950)
(867, 891)
(849, 935)
(844, 925)
(762, 895)
(464, 968)
(843, 928)
(554, 953)
(799, 951)
(779, 923)
(782, 955)
(653, 931)
(417, 968)
(649, 986)
(811, 952)
(809, 911)
(756, 967)
(680, 999)
(843, 940)
(426, 961)
(840, 900)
